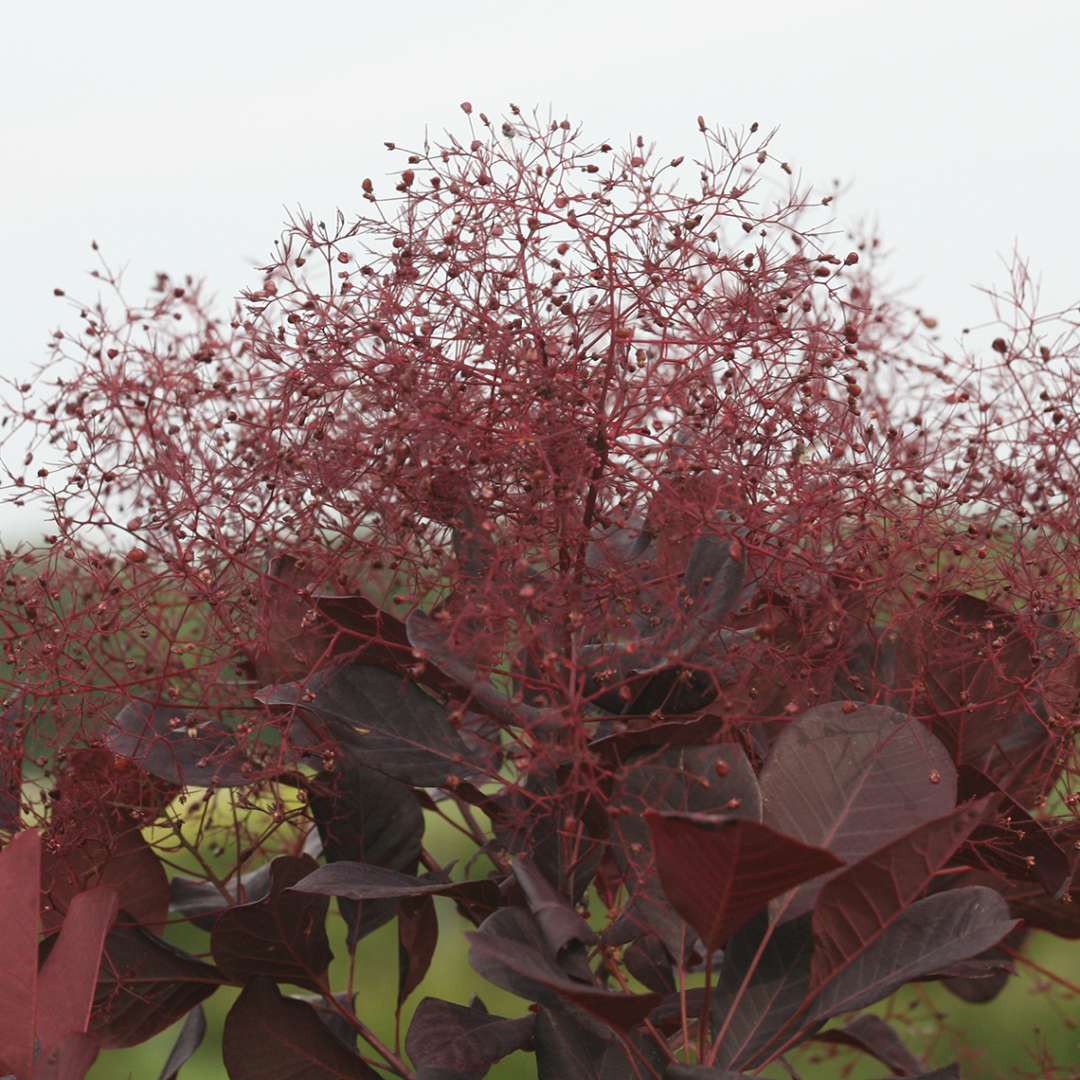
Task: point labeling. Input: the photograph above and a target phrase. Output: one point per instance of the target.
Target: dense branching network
(601, 505)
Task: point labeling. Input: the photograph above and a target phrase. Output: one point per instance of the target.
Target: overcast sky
(176, 134)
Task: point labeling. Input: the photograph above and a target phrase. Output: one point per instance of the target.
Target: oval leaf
(282, 935)
(268, 1035)
(851, 781)
(382, 720)
(859, 905)
(509, 950)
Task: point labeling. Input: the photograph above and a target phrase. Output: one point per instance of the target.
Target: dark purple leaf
(201, 901)
(465, 1040)
(271, 1036)
(851, 781)
(964, 664)
(859, 905)
(568, 1046)
(331, 1017)
(418, 935)
(290, 645)
(565, 932)
(509, 950)
(145, 986)
(701, 779)
(382, 720)
(431, 642)
(187, 1042)
(482, 736)
(637, 1054)
(113, 853)
(869, 669)
(358, 881)
(1042, 912)
(875, 1037)
(1027, 761)
(668, 1015)
(929, 936)
(982, 986)
(714, 577)
(650, 963)
(364, 816)
(719, 871)
(281, 935)
(779, 980)
(572, 1046)
(649, 680)
(648, 735)
(179, 745)
(528, 820)
(1015, 843)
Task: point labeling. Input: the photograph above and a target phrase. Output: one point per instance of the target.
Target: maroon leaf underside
(47, 1009)
(67, 979)
(13, 725)
(702, 779)
(119, 858)
(719, 872)
(20, 872)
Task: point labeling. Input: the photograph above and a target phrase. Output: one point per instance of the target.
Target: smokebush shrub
(604, 508)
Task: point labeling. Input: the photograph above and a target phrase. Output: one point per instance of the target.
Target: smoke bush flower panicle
(577, 443)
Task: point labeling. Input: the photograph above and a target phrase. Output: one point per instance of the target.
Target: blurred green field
(1030, 1022)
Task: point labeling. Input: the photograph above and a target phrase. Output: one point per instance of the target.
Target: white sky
(176, 134)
